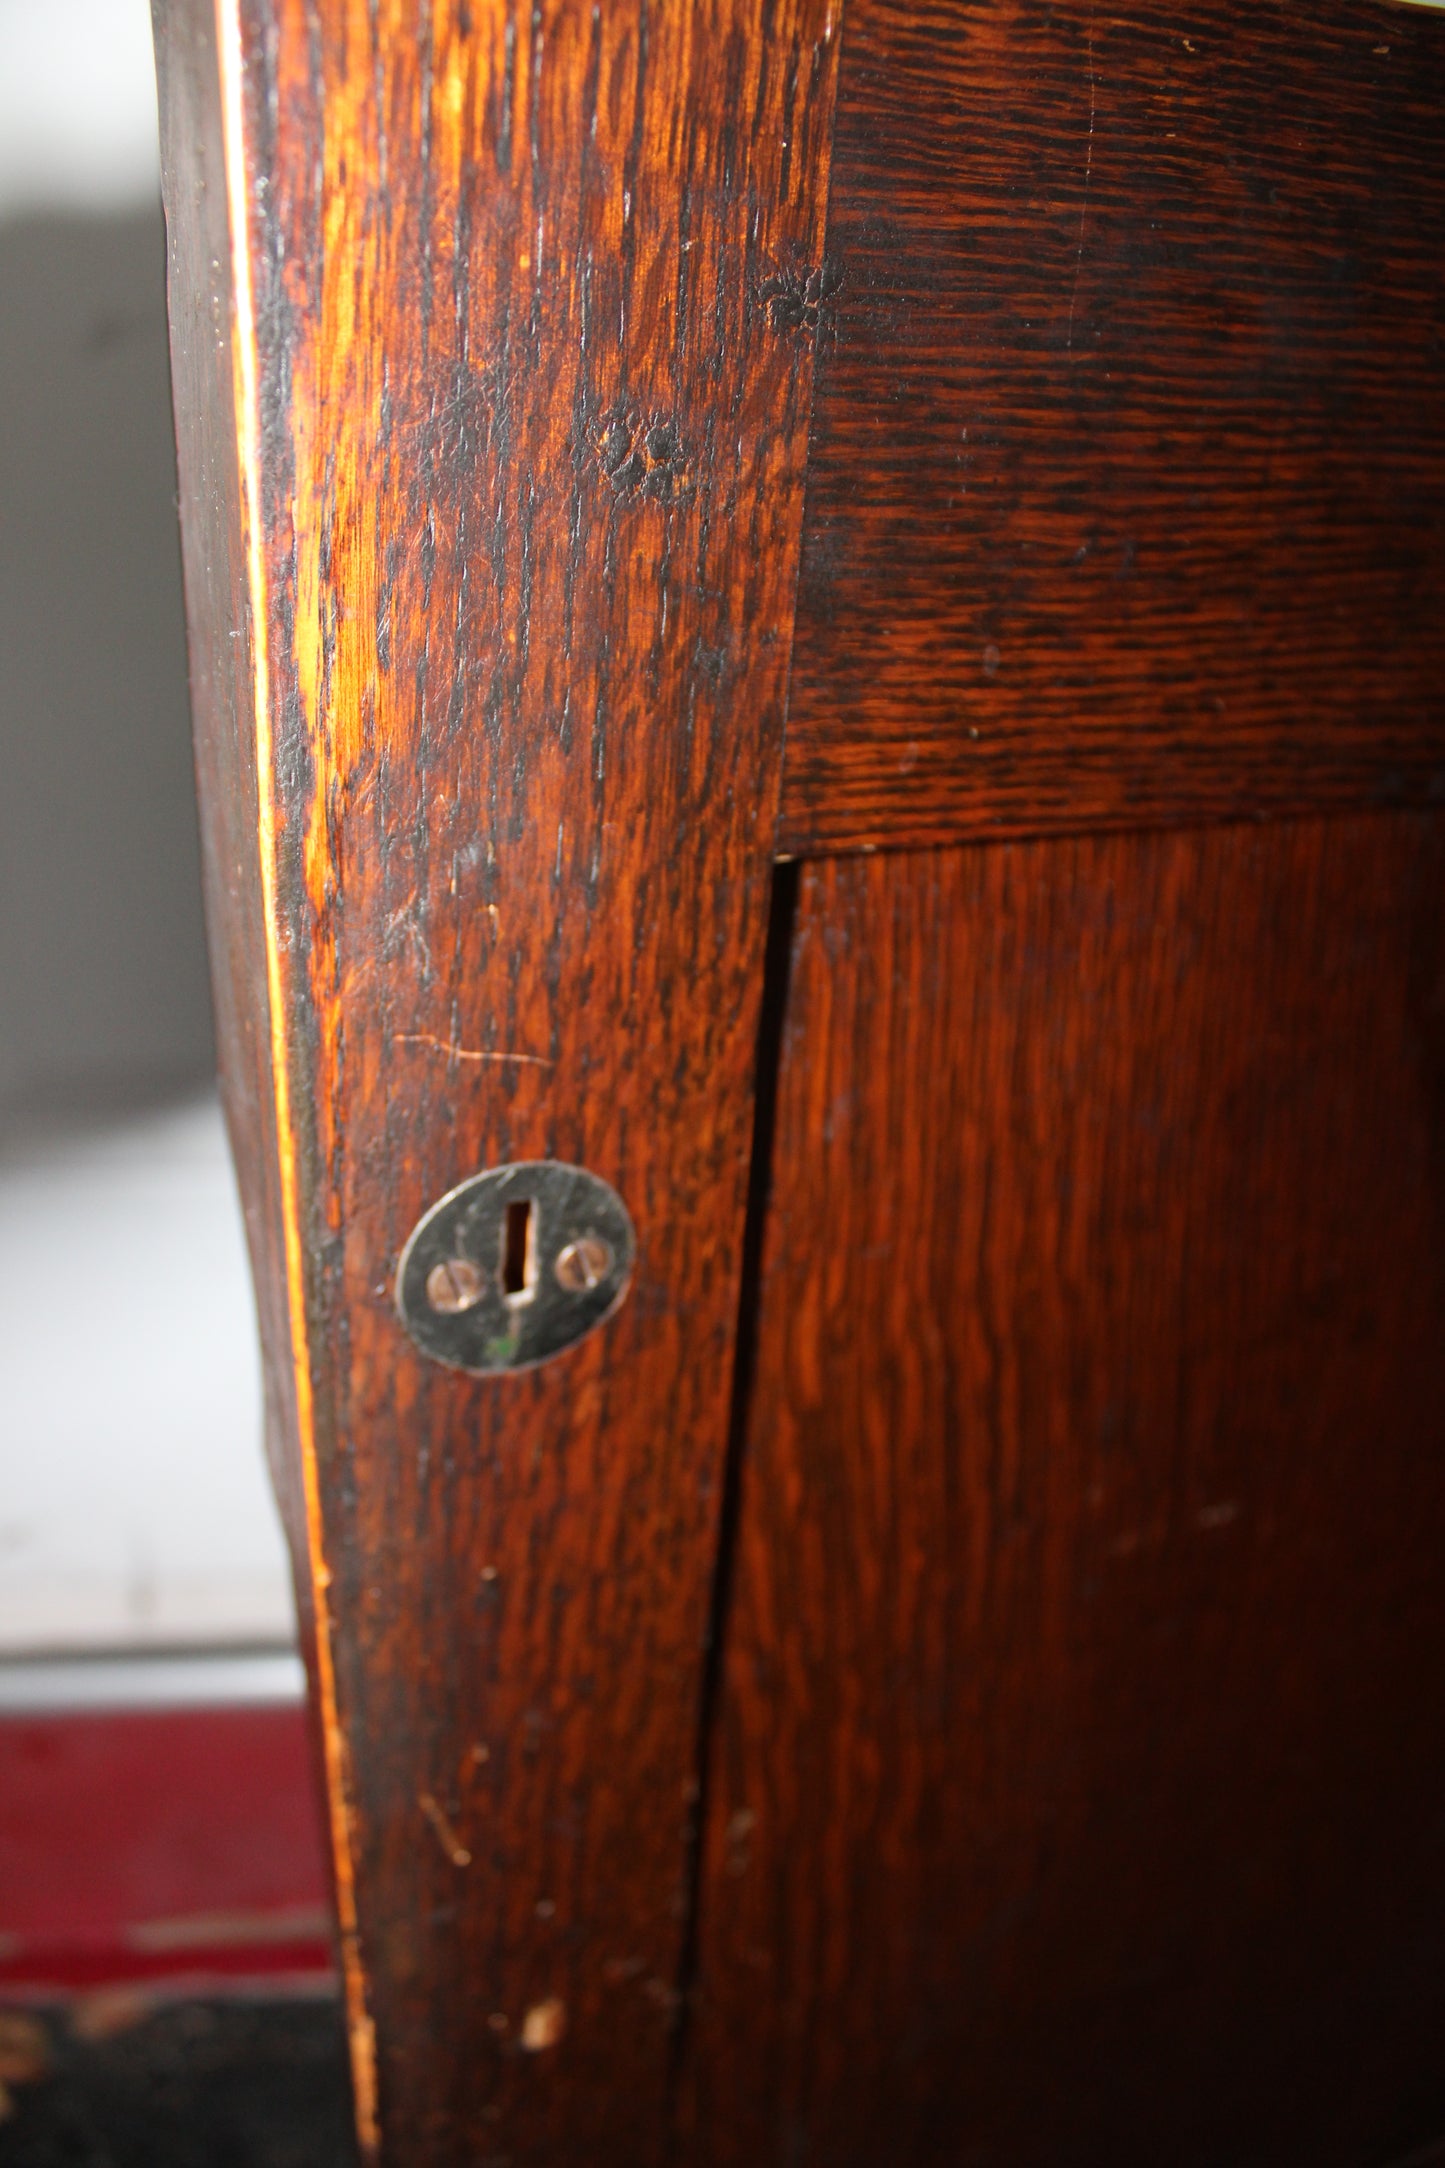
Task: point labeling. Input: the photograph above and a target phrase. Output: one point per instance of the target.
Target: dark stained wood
(1127, 493)
(1081, 1741)
(521, 440)
(1077, 1743)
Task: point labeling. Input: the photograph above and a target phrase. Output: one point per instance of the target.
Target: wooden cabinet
(832, 614)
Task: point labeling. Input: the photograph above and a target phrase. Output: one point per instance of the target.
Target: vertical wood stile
(492, 434)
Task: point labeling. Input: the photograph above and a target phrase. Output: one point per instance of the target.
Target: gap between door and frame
(772, 1016)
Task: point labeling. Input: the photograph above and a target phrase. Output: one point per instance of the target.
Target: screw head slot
(455, 1284)
(515, 1265)
(583, 1264)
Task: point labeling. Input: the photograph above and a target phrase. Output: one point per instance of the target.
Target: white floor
(134, 1505)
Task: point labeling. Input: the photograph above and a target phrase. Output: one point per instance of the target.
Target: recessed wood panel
(1127, 489)
(1080, 1748)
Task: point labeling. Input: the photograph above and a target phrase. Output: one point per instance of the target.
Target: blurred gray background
(103, 992)
(134, 1513)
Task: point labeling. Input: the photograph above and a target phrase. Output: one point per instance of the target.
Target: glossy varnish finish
(521, 427)
(1125, 496)
(1081, 1738)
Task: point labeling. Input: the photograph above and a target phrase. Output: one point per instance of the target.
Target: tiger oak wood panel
(521, 443)
(1127, 493)
(1080, 1749)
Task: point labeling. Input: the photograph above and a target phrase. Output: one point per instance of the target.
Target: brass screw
(583, 1264)
(455, 1284)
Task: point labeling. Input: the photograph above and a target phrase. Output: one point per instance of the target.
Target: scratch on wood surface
(1088, 177)
(467, 1053)
(447, 1837)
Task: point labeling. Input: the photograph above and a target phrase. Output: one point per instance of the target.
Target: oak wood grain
(1081, 1734)
(1126, 500)
(521, 443)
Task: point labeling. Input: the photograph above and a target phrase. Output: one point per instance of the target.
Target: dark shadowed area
(197, 2085)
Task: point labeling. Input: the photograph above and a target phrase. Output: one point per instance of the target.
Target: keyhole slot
(519, 1251)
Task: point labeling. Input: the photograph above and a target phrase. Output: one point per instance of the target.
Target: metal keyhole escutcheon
(515, 1265)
